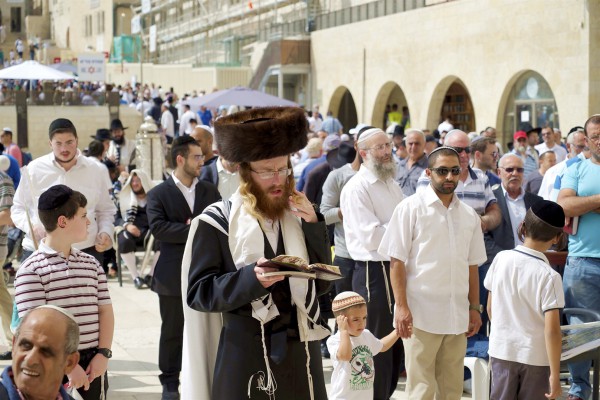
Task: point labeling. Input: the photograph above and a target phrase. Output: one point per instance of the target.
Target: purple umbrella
(239, 96)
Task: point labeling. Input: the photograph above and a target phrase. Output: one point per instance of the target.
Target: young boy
(58, 274)
(525, 339)
(352, 349)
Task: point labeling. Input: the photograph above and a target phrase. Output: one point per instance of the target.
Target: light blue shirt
(584, 178)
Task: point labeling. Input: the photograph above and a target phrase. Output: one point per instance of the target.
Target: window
(100, 22)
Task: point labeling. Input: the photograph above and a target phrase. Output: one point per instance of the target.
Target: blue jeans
(581, 283)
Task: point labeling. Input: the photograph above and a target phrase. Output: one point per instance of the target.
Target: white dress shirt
(516, 212)
(106, 174)
(437, 245)
(185, 128)
(44, 172)
(228, 181)
(367, 205)
(559, 151)
(167, 122)
(188, 192)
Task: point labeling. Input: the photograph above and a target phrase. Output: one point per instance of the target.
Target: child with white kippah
(352, 349)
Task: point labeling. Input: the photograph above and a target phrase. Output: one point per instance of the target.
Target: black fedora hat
(341, 156)
(102, 134)
(527, 128)
(116, 124)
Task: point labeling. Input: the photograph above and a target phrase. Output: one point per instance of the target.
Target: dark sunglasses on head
(510, 170)
(461, 149)
(443, 171)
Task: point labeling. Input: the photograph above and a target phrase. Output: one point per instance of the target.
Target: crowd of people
(425, 229)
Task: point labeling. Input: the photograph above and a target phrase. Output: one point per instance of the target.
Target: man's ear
(62, 221)
(428, 172)
(71, 362)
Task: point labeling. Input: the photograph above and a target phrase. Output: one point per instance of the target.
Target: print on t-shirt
(363, 371)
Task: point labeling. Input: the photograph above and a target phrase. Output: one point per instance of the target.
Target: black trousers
(389, 364)
(171, 339)
(95, 391)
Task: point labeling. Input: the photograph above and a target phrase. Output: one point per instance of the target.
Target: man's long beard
(270, 208)
(383, 170)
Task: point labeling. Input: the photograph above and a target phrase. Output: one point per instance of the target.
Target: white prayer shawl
(246, 243)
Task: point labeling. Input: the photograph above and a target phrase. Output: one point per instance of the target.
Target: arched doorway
(343, 107)
(389, 94)
(527, 98)
(452, 99)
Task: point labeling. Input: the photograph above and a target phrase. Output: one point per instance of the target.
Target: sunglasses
(510, 170)
(461, 149)
(443, 171)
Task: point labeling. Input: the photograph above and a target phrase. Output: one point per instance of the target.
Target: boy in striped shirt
(58, 274)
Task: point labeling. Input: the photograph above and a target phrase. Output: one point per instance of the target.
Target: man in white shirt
(65, 165)
(167, 122)
(367, 203)
(185, 128)
(435, 243)
(550, 144)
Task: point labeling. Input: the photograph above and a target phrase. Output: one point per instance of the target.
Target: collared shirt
(516, 211)
(367, 205)
(228, 181)
(330, 205)
(44, 172)
(408, 178)
(475, 191)
(76, 283)
(188, 192)
(437, 245)
(104, 168)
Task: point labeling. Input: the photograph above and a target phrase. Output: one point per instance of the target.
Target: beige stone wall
(486, 44)
(86, 120)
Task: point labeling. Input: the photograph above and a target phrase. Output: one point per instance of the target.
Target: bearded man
(121, 151)
(270, 339)
(367, 202)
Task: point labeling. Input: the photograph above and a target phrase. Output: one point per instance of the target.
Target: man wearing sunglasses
(435, 244)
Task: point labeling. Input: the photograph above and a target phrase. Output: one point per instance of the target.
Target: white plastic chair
(480, 377)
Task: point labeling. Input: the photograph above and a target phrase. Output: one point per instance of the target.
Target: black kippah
(549, 212)
(54, 197)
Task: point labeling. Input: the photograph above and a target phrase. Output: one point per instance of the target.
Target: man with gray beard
(367, 202)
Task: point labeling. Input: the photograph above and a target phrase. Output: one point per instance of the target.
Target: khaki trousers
(434, 365)
(6, 306)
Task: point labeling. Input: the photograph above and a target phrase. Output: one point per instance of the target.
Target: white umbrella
(33, 70)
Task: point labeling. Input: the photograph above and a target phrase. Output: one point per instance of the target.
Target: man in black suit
(171, 207)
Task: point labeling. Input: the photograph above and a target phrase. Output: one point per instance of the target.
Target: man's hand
(474, 322)
(266, 281)
(301, 207)
(78, 378)
(97, 367)
(555, 388)
(103, 242)
(404, 321)
(134, 230)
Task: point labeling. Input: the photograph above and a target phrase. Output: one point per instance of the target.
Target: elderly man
(579, 196)
(435, 243)
(269, 343)
(367, 203)
(44, 351)
(528, 154)
(411, 167)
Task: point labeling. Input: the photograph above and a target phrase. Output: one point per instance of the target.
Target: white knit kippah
(369, 133)
(345, 300)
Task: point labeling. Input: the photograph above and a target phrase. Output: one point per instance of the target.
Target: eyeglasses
(461, 149)
(494, 154)
(580, 147)
(379, 147)
(443, 171)
(510, 170)
(282, 173)
(594, 139)
(198, 157)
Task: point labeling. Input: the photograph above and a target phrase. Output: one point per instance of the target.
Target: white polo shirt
(437, 245)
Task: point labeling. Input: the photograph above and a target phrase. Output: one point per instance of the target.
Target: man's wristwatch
(105, 352)
(476, 307)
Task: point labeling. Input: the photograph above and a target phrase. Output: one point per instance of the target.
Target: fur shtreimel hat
(261, 133)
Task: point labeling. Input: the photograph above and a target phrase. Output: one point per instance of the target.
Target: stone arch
(390, 93)
(343, 107)
(451, 97)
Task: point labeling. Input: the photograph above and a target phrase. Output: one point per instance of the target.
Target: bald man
(44, 351)
(204, 136)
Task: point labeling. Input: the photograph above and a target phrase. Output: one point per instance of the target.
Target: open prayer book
(297, 267)
(579, 338)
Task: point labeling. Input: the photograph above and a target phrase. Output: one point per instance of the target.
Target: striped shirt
(7, 192)
(77, 285)
(475, 191)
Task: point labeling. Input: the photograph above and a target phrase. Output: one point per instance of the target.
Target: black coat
(210, 174)
(216, 285)
(169, 216)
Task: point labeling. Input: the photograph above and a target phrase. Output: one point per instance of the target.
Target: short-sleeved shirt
(7, 192)
(584, 178)
(476, 191)
(77, 284)
(353, 380)
(523, 287)
(407, 178)
(437, 246)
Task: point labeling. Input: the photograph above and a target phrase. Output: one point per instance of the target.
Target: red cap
(519, 134)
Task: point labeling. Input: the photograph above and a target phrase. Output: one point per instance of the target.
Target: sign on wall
(152, 46)
(136, 25)
(91, 67)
